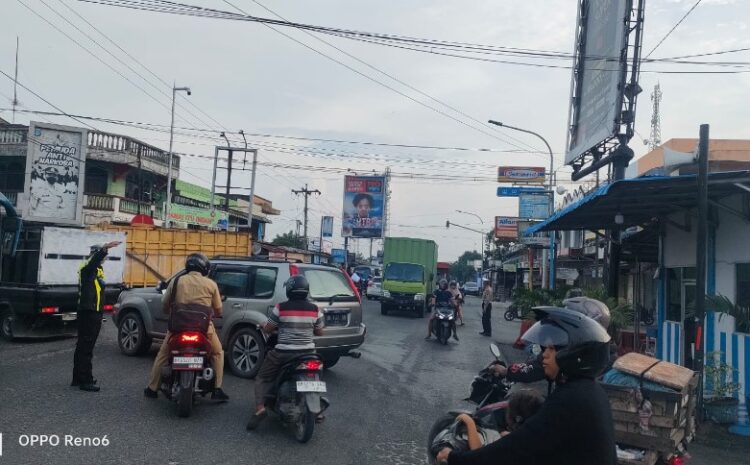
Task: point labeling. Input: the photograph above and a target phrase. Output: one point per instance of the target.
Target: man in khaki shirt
(192, 288)
(487, 296)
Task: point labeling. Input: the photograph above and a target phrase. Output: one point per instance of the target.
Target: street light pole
(481, 270)
(167, 221)
(551, 183)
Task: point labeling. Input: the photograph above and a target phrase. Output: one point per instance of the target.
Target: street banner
(521, 174)
(326, 226)
(55, 172)
(364, 204)
(338, 256)
(541, 239)
(198, 216)
(506, 227)
(504, 191)
(534, 205)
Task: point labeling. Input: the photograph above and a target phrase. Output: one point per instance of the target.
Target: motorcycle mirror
(495, 350)
(223, 298)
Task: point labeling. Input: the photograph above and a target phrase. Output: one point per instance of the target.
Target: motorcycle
(298, 398)
(444, 324)
(189, 372)
(464, 430)
(512, 313)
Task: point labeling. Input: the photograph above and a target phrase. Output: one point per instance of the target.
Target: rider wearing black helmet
(194, 288)
(297, 320)
(442, 296)
(574, 426)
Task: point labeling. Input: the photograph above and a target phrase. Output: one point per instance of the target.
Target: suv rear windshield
(327, 283)
(407, 272)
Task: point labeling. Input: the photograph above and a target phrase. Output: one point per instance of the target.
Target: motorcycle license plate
(311, 386)
(187, 362)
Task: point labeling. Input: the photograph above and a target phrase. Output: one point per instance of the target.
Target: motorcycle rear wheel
(305, 426)
(185, 395)
(440, 424)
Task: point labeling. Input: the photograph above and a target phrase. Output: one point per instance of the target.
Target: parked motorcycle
(298, 398)
(189, 372)
(512, 313)
(488, 392)
(444, 324)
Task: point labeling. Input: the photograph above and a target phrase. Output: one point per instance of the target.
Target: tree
(460, 270)
(289, 239)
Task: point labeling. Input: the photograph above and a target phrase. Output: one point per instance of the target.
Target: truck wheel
(6, 324)
(245, 351)
(131, 335)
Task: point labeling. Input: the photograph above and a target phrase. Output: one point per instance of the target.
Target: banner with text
(364, 204)
(521, 174)
(198, 216)
(506, 228)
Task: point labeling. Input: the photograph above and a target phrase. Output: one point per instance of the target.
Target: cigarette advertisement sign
(364, 204)
(534, 205)
(506, 227)
(521, 174)
(55, 171)
(198, 216)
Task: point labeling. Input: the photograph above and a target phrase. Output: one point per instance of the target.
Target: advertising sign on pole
(55, 173)
(525, 174)
(198, 216)
(541, 238)
(338, 256)
(326, 226)
(364, 205)
(534, 205)
(503, 191)
(599, 75)
(506, 227)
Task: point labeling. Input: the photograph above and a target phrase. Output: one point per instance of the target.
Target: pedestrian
(90, 301)
(487, 310)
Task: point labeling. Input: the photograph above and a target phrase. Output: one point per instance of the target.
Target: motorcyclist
(296, 320)
(458, 298)
(574, 425)
(192, 288)
(532, 371)
(442, 296)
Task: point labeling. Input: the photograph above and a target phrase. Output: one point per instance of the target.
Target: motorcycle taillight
(190, 338)
(310, 365)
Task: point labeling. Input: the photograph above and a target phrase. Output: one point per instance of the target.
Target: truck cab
(405, 287)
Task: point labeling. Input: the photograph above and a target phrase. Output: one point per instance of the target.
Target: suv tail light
(108, 307)
(50, 309)
(310, 365)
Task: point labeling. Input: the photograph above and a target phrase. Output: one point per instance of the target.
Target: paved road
(382, 404)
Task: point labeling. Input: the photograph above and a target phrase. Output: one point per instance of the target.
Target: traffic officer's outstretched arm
(96, 259)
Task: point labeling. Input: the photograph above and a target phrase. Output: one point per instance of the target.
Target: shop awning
(640, 201)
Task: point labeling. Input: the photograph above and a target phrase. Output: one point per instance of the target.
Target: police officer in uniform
(90, 300)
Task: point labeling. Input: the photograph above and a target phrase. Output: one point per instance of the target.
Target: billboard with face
(364, 204)
(55, 171)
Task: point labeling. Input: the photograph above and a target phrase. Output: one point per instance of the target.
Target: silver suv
(250, 288)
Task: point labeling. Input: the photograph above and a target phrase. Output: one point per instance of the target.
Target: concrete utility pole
(167, 221)
(307, 193)
(700, 259)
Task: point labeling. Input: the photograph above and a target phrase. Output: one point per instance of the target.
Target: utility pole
(700, 259)
(307, 193)
(15, 84)
(167, 220)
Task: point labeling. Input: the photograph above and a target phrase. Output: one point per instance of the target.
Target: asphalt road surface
(382, 404)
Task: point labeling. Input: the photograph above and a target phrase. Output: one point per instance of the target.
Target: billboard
(55, 171)
(326, 226)
(534, 205)
(198, 216)
(598, 75)
(535, 239)
(506, 227)
(504, 191)
(524, 174)
(338, 256)
(364, 204)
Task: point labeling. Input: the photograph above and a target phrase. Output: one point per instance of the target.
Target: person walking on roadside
(487, 310)
(90, 302)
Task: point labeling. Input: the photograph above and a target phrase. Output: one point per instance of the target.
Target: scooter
(444, 324)
(298, 398)
(189, 372)
(463, 429)
(512, 313)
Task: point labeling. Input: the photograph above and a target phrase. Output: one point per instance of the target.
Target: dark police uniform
(90, 301)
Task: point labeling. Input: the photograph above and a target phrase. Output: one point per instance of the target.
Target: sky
(288, 83)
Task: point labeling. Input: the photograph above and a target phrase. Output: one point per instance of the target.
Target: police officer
(90, 301)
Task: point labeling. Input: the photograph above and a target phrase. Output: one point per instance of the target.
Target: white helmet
(592, 308)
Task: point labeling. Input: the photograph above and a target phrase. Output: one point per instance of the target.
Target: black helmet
(443, 284)
(198, 262)
(297, 288)
(581, 342)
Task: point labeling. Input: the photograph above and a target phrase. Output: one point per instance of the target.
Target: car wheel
(6, 324)
(331, 361)
(246, 351)
(131, 335)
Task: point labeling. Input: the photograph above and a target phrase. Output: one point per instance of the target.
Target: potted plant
(721, 407)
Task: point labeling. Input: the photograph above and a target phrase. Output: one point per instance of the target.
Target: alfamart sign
(522, 174)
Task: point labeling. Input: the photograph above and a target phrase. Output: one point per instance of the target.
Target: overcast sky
(247, 76)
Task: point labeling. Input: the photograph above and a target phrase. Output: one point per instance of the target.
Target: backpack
(187, 317)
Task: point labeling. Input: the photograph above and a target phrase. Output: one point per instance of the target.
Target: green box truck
(409, 270)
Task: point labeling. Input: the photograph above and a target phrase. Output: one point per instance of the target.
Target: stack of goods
(653, 406)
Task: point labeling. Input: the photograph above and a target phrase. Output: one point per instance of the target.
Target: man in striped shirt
(297, 321)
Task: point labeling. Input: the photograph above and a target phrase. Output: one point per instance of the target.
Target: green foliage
(289, 239)
(525, 299)
(723, 305)
(719, 376)
(460, 270)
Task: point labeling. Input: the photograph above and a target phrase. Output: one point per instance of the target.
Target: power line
(674, 27)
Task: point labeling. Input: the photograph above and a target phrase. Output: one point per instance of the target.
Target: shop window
(11, 177)
(97, 180)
